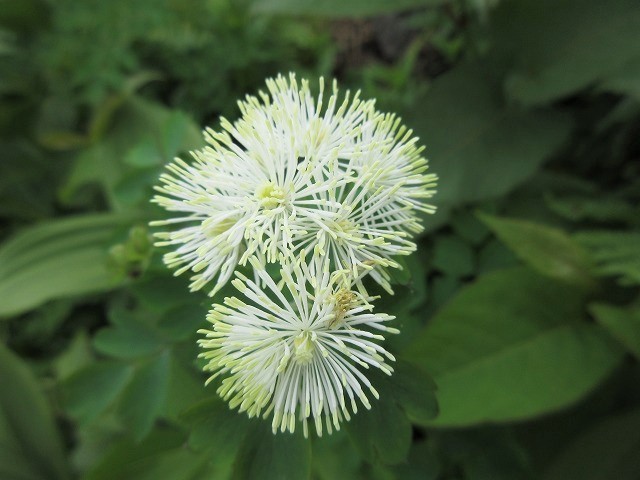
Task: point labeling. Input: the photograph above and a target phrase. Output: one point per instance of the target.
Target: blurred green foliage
(520, 314)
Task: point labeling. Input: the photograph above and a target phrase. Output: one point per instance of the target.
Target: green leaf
(265, 456)
(77, 355)
(561, 47)
(161, 293)
(30, 444)
(547, 250)
(160, 455)
(607, 451)
(180, 323)
(495, 256)
(214, 425)
(335, 456)
(186, 388)
(625, 80)
(217, 429)
(383, 434)
(414, 391)
(402, 275)
(511, 346)
(614, 253)
(103, 115)
(422, 464)
(622, 323)
(179, 133)
(592, 207)
(143, 134)
(144, 395)
(144, 155)
(90, 391)
(56, 259)
(453, 256)
(486, 454)
(479, 145)
(442, 289)
(469, 228)
(128, 340)
(336, 8)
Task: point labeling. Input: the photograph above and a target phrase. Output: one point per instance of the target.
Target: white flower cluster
(333, 192)
(296, 351)
(340, 179)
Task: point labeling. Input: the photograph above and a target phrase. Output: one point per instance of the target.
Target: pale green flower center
(304, 346)
(271, 196)
(219, 228)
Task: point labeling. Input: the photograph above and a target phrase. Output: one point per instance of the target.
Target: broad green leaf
(481, 146)
(128, 340)
(77, 355)
(103, 115)
(402, 275)
(607, 451)
(336, 8)
(134, 188)
(144, 395)
(160, 455)
(422, 464)
(90, 391)
(407, 301)
(615, 253)
(383, 433)
(547, 250)
(495, 256)
(214, 425)
(622, 323)
(625, 80)
(56, 259)
(414, 391)
(143, 155)
(335, 456)
(186, 388)
(511, 346)
(453, 256)
(592, 207)
(265, 456)
(141, 136)
(442, 289)
(217, 429)
(30, 444)
(469, 228)
(485, 454)
(163, 292)
(181, 322)
(177, 464)
(560, 47)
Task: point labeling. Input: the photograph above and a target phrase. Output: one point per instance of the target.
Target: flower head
(295, 173)
(298, 348)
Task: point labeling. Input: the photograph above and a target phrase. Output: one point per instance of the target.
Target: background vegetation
(522, 304)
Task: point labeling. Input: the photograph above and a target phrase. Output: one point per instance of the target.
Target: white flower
(293, 173)
(298, 351)
(388, 156)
